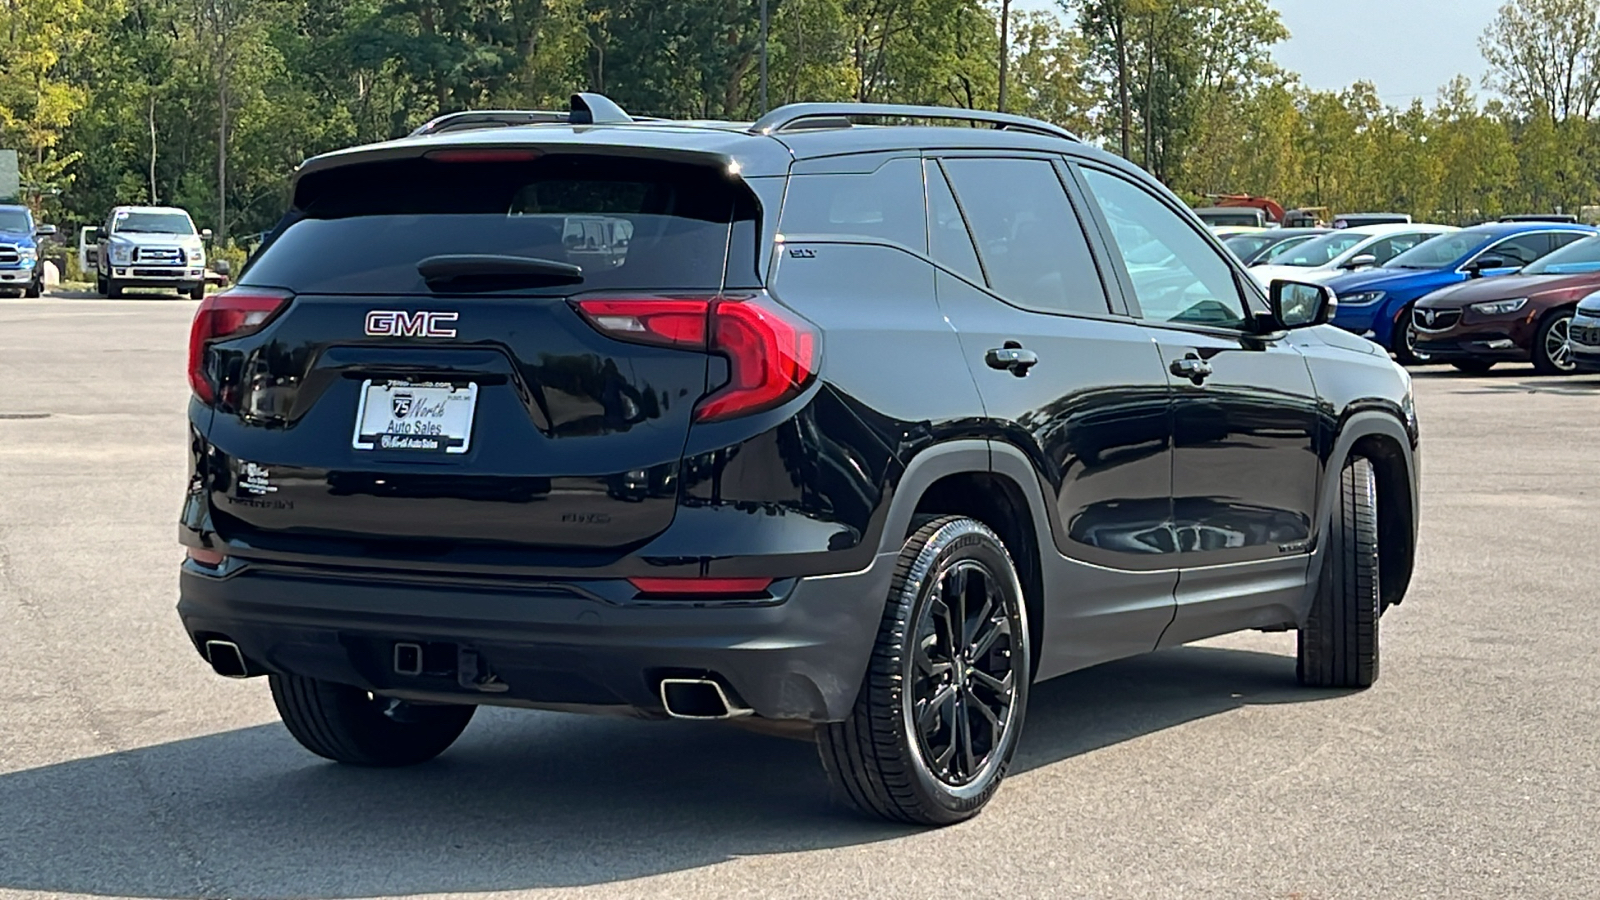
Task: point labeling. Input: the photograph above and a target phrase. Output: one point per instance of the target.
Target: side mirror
(205, 234)
(1477, 267)
(222, 267)
(1299, 305)
(1361, 261)
(44, 230)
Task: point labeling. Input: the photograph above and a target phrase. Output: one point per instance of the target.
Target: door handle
(1012, 358)
(1191, 367)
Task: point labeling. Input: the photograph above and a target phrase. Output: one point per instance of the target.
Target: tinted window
(949, 242)
(1177, 275)
(1520, 250)
(1033, 247)
(629, 224)
(1565, 238)
(886, 204)
(1576, 258)
(1248, 245)
(16, 221)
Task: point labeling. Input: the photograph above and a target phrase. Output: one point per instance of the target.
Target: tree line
(209, 104)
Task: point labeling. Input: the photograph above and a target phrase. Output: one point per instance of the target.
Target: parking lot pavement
(127, 768)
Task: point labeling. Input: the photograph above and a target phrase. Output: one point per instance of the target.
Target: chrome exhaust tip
(699, 698)
(226, 659)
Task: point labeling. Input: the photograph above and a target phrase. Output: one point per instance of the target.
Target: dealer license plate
(417, 417)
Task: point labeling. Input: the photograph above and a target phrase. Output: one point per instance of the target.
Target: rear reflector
(771, 352)
(208, 558)
(701, 587)
(230, 314)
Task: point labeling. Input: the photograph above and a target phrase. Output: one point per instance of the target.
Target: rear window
(629, 224)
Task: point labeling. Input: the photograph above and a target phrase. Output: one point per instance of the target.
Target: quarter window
(1177, 276)
(1031, 242)
(886, 204)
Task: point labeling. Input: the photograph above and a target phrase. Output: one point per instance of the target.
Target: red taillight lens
(772, 353)
(772, 356)
(229, 314)
(674, 322)
(701, 587)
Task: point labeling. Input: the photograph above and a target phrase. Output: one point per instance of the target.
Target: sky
(1408, 48)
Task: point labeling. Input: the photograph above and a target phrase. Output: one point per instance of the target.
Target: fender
(1357, 427)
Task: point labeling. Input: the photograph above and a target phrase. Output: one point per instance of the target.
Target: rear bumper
(800, 657)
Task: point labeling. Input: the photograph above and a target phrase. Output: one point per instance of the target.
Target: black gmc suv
(861, 429)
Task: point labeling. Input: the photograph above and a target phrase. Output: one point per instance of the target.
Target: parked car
(146, 247)
(1519, 318)
(1585, 334)
(870, 478)
(21, 270)
(1376, 303)
(1253, 247)
(1334, 254)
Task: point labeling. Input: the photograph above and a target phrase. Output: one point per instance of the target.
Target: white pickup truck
(145, 247)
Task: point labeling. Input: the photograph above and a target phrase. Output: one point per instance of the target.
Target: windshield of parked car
(1576, 258)
(152, 223)
(1440, 252)
(15, 221)
(1315, 252)
(1248, 245)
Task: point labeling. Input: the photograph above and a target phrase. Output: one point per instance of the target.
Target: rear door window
(949, 241)
(1029, 237)
(629, 224)
(1519, 250)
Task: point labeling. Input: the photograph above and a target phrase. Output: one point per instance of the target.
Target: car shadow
(525, 800)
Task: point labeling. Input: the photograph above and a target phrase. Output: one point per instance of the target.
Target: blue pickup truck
(21, 272)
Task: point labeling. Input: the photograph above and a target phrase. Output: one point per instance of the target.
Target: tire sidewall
(955, 541)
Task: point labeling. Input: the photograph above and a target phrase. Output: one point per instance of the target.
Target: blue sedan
(1376, 303)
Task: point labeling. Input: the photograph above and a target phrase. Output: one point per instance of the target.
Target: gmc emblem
(399, 323)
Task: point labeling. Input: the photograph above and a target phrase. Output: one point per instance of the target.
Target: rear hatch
(424, 371)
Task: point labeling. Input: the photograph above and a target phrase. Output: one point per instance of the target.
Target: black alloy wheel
(964, 678)
(941, 708)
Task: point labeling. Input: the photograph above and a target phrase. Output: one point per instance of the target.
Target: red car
(1523, 317)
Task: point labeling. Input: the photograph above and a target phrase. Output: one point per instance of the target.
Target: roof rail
(585, 109)
(795, 115)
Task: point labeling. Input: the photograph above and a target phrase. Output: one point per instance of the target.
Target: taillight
(229, 314)
(771, 353)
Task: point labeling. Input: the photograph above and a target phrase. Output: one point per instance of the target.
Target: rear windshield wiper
(494, 272)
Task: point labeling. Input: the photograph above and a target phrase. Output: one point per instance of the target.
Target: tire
(348, 725)
(35, 289)
(1552, 351)
(1338, 644)
(1474, 366)
(101, 285)
(1403, 341)
(199, 292)
(113, 289)
(884, 758)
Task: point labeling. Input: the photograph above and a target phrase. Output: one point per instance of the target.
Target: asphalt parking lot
(128, 769)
